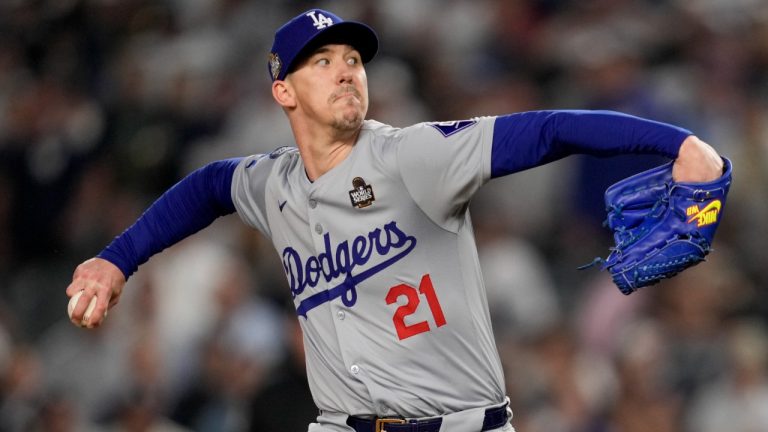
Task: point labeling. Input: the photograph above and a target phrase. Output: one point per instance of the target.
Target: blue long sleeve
(529, 139)
(187, 207)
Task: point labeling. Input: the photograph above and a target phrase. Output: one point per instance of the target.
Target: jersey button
(341, 315)
(312, 203)
(318, 228)
(354, 369)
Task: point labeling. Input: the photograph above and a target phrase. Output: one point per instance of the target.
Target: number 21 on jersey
(412, 295)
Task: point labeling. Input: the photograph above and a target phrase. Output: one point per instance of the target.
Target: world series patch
(361, 195)
(275, 65)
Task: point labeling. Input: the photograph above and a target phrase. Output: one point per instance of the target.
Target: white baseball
(88, 311)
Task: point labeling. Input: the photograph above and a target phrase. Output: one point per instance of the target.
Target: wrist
(696, 162)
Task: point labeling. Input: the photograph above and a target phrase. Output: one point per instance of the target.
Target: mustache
(343, 91)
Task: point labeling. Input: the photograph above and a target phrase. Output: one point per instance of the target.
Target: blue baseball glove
(661, 227)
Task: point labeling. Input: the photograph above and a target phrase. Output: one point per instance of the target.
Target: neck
(322, 150)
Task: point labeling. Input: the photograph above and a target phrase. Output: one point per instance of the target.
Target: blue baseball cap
(312, 29)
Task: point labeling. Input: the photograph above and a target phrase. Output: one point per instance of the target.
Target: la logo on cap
(319, 20)
(294, 39)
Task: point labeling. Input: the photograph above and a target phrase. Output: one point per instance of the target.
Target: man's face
(331, 87)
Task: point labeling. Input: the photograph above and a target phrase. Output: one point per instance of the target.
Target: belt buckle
(380, 422)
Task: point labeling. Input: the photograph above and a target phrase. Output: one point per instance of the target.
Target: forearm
(530, 139)
(189, 206)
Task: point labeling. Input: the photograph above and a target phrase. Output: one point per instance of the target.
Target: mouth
(345, 93)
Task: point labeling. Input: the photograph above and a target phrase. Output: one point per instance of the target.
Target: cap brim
(356, 34)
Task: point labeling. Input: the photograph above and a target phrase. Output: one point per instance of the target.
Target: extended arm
(189, 206)
(530, 139)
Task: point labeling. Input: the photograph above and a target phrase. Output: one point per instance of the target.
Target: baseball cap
(312, 29)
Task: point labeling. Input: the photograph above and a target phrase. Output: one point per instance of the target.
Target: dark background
(106, 103)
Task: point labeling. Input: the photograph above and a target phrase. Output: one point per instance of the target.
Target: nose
(345, 74)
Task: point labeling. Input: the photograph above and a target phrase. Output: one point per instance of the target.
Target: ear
(283, 94)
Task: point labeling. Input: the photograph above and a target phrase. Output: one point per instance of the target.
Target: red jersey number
(413, 300)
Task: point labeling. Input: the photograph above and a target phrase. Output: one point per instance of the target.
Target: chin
(350, 120)
(348, 123)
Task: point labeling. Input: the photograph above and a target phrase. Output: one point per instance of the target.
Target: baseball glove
(660, 226)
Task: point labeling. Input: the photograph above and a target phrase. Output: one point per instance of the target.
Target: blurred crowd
(106, 103)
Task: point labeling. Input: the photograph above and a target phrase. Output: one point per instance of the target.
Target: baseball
(73, 303)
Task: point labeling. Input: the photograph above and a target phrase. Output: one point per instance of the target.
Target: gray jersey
(382, 266)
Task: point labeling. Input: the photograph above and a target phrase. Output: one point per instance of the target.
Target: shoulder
(282, 159)
(435, 130)
(384, 131)
(279, 165)
(381, 133)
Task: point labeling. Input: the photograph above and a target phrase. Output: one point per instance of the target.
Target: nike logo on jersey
(451, 127)
(282, 204)
(391, 243)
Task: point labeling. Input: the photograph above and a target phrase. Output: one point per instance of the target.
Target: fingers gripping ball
(661, 227)
(88, 312)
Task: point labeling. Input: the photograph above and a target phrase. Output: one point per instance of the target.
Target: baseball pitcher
(372, 227)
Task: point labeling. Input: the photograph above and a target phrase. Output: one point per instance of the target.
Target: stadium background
(106, 103)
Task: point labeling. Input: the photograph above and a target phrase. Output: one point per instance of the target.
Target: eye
(353, 61)
(323, 61)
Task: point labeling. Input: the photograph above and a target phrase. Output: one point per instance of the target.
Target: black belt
(494, 419)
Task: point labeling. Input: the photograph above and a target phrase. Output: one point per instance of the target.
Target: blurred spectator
(603, 60)
(603, 314)
(90, 368)
(242, 345)
(22, 389)
(559, 385)
(521, 293)
(692, 309)
(140, 412)
(284, 402)
(737, 400)
(57, 413)
(646, 401)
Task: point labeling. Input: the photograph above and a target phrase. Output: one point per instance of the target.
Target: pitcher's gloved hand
(660, 226)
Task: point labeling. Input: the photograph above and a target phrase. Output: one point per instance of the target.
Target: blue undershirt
(529, 139)
(189, 206)
(520, 141)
